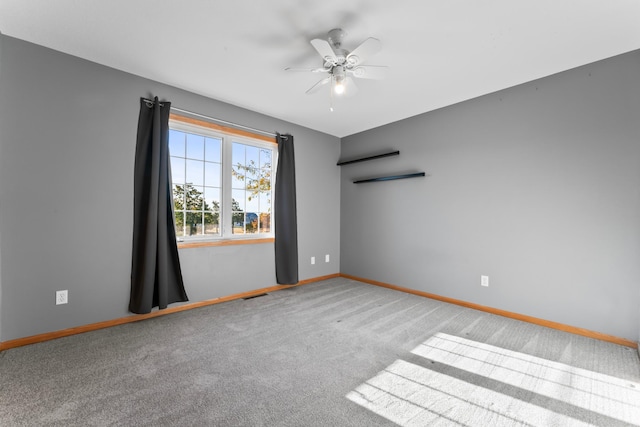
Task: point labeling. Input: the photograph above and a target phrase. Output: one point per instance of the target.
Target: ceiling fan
(341, 65)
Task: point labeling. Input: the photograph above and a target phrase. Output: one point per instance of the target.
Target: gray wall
(68, 130)
(1, 198)
(536, 186)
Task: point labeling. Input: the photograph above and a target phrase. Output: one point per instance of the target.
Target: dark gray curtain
(156, 278)
(286, 222)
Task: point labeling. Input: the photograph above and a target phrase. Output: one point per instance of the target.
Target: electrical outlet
(62, 297)
(313, 260)
(326, 258)
(484, 280)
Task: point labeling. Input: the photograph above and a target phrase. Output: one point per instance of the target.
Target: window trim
(184, 123)
(225, 129)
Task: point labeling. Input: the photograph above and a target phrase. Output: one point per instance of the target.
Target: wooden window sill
(229, 242)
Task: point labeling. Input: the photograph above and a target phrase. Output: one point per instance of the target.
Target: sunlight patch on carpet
(603, 394)
(412, 395)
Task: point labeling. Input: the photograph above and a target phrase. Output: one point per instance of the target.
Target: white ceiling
(439, 52)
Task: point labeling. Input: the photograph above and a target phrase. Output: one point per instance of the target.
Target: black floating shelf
(391, 178)
(364, 159)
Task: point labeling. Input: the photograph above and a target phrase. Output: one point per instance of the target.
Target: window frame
(228, 135)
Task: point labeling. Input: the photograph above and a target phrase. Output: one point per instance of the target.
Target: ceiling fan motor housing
(336, 36)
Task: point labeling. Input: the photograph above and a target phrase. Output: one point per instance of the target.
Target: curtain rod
(150, 102)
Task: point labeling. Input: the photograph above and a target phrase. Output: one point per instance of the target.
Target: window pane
(265, 158)
(265, 223)
(179, 224)
(212, 174)
(265, 202)
(238, 177)
(212, 149)
(251, 222)
(195, 146)
(237, 156)
(252, 202)
(195, 172)
(238, 225)
(252, 175)
(194, 197)
(176, 143)
(177, 170)
(252, 156)
(193, 223)
(238, 200)
(178, 197)
(212, 199)
(211, 223)
(265, 179)
(212, 229)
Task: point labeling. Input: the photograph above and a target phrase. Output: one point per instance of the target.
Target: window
(222, 181)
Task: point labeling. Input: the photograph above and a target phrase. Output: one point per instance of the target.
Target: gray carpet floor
(332, 353)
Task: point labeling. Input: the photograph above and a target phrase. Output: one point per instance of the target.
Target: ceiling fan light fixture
(339, 76)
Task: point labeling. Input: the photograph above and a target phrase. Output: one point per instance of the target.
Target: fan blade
(368, 47)
(375, 72)
(324, 49)
(350, 87)
(317, 86)
(311, 70)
